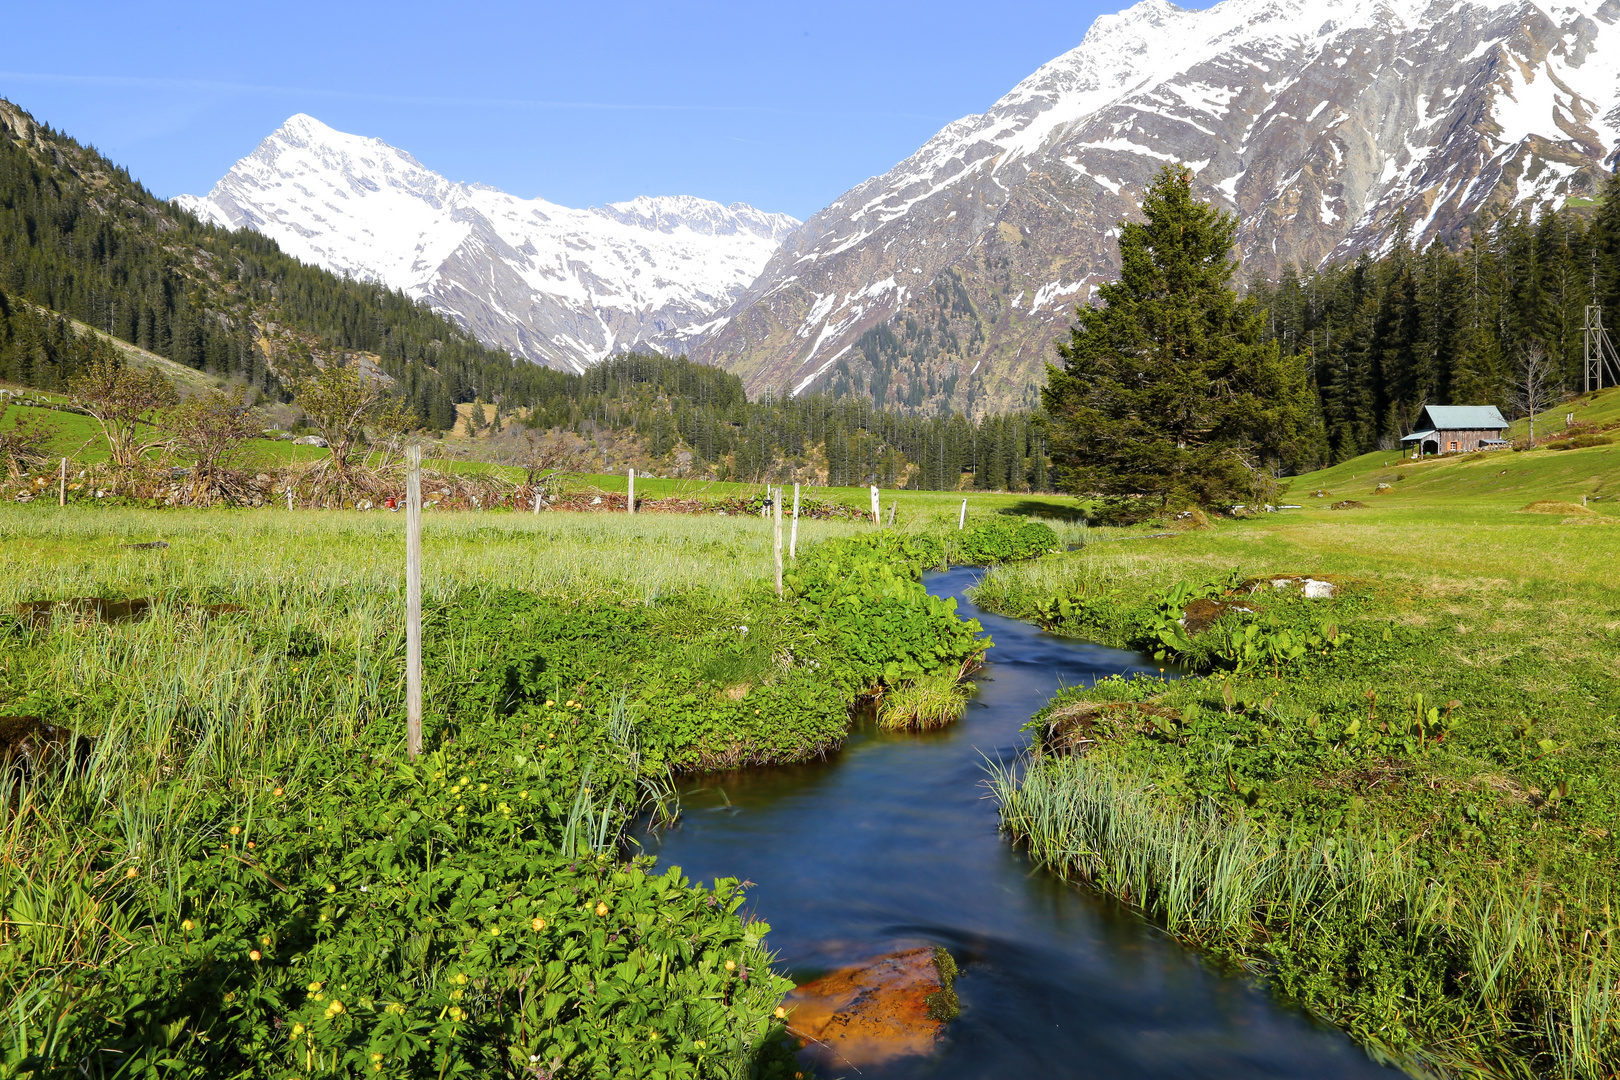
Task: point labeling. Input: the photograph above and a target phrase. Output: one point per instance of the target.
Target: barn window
(1453, 446)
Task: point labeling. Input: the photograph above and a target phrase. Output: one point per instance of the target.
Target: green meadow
(1397, 804)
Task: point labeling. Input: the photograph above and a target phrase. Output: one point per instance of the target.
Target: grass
(574, 658)
(1441, 884)
(279, 556)
(930, 702)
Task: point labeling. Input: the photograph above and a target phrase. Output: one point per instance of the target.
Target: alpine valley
(1330, 127)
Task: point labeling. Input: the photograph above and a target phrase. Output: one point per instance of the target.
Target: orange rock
(871, 1013)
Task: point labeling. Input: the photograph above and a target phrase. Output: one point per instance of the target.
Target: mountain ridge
(556, 285)
(1321, 123)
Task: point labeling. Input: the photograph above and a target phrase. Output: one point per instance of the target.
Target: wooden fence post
(630, 503)
(777, 539)
(961, 520)
(893, 506)
(413, 602)
(289, 494)
(877, 506)
(61, 490)
(793, 540)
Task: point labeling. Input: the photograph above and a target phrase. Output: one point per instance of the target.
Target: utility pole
(1600, 354)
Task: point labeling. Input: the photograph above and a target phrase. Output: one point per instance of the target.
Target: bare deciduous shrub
(210, 426)
(127, 402)
(22, 446)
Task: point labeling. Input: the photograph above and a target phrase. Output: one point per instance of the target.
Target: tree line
(672, 403)
(80, 238)
(1382, 336)
(1177, 389)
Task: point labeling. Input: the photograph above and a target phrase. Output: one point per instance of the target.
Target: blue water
(892, 841)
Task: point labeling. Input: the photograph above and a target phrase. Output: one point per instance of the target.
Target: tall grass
(51, 553)
(1530, 981)
(188, 700)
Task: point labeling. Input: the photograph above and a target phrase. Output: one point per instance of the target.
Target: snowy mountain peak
(560, 286)
(1319, 122)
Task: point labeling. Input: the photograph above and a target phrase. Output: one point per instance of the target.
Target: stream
(892, 841)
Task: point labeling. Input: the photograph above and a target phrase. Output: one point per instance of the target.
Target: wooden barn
(1457, 429)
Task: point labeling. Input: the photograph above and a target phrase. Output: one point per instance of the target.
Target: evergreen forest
(1380, 336)
(1384, 336)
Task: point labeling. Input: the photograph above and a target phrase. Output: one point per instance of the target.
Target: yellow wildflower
(539, 924)
(601, 909)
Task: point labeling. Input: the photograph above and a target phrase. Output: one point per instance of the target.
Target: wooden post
(61, 489)
(877, 506)
(537, 498)
(961, 519)
(765, 504)
(793, 540)
(630, 503)
(777, 542)
(893, 506)
(413, 602)
(289, 494)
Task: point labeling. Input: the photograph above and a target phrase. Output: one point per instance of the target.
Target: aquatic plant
(927, 702)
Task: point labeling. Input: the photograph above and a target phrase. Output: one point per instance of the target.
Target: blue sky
(782, 106)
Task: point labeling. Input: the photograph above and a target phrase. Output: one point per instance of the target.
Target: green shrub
(465, 915)
(862, 597)
(1003, 539)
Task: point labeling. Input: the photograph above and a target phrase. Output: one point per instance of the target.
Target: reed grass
(1519, 990)
(933, 701)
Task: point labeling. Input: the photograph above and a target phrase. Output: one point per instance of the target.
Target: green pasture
(1400, 803)
(242, 840)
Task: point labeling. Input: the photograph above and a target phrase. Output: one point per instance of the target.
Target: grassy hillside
(1489, 481)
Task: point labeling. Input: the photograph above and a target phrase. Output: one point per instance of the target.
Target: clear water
(892, 841)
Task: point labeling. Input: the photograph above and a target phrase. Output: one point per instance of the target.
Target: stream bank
(892, 842)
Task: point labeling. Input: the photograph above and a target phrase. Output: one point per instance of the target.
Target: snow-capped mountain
(1319, 122)
(559, 286)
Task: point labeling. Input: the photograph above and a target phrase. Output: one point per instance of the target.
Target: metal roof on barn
(1460, 417)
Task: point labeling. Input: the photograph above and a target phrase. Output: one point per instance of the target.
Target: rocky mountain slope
(559, 286)
(1321, 123)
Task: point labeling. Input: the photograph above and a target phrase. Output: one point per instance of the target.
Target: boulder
(310, 440)
(892, 1006)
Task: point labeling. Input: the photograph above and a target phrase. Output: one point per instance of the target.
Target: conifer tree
(1168, 389)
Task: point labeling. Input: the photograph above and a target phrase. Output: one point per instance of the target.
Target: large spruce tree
(1169, 388)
